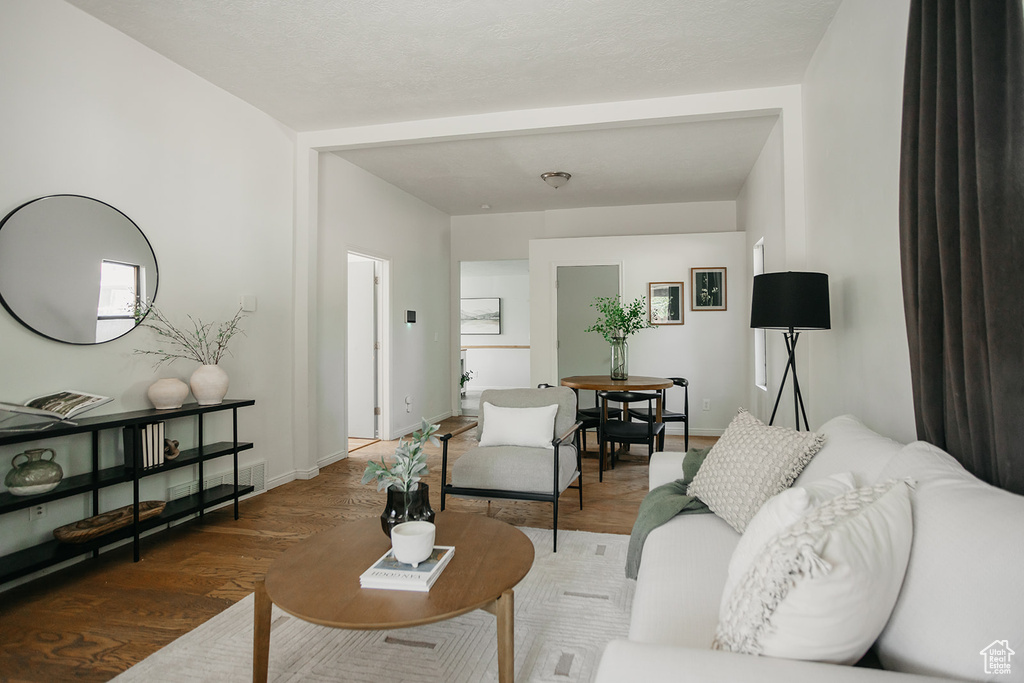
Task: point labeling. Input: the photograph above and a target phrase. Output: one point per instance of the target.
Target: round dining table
(606, 383)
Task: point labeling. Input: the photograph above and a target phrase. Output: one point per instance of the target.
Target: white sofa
(963, 589)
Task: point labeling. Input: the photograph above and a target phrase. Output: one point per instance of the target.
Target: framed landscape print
(665, 303)
(481, 316)
(708, 287)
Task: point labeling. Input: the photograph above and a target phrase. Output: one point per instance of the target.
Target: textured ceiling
(322, 64)
(317, 64)
(684, 162)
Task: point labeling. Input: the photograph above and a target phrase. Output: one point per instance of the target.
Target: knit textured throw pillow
(751, 463)
(823, 588)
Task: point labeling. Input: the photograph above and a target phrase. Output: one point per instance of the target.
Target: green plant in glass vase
(408, 496)
(617, 322)
(410, 461)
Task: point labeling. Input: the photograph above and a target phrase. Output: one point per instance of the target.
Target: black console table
(23, 562)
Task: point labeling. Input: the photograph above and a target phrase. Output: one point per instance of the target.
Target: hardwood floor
(94, 620)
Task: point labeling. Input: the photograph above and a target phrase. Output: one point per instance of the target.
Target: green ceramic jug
(36, 475)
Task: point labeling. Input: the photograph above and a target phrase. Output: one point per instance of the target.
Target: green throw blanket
(661, 505)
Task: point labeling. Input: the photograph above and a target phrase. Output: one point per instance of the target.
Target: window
(120, 284)
(760, 353)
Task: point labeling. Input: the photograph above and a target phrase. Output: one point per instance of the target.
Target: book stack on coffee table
(390, 574)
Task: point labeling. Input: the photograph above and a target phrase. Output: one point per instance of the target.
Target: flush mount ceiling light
(555, 178)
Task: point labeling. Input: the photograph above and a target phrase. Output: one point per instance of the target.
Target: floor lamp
(792, 302)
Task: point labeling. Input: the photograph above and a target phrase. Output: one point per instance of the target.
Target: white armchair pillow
(526, 427)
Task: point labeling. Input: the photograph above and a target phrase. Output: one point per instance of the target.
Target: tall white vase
(209, 384)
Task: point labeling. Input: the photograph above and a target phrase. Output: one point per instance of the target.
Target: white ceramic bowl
(412, 542)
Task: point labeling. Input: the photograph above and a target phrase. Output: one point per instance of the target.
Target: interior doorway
(579, 352)
(366, 391)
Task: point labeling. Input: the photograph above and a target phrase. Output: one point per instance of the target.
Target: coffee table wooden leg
(261, 635)
(504, 609)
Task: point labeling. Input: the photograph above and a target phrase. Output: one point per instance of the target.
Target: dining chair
(589, 418)
(645, 413)
(620, 431)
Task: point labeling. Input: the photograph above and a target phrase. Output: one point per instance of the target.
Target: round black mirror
(73, 269)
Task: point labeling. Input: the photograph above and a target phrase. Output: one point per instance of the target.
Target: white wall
(499, 368)
(360, 212)
(486, 237)
(206, 177)
(852, 99)
(710, 349)
(760, 212)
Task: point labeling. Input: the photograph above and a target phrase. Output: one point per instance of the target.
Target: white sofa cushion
(963, 588)
(850, 447)
(679, 585)
(526, 427)
(751, 463)
(664, 467)
(777, 514)
(824, 588)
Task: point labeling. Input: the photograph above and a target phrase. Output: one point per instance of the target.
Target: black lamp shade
(781, 301)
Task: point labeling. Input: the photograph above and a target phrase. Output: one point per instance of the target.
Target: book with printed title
(390, 574)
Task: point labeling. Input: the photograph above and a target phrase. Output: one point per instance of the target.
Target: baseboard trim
(409, 429)
(332, 458)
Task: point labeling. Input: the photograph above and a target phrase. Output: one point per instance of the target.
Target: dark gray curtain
(962, 230)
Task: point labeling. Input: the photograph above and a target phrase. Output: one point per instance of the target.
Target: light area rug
(569, 606)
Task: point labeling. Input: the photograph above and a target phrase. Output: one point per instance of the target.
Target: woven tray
(88, 529)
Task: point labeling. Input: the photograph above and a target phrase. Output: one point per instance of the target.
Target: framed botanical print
(665, 303)
(708, 287)
(481, 316)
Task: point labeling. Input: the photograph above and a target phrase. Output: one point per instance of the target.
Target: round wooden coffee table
(318, 581)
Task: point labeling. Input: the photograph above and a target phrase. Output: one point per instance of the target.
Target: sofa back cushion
(850, 446)
(963, 590)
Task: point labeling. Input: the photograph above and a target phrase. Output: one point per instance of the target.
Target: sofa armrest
(626, 660)
(664, 467)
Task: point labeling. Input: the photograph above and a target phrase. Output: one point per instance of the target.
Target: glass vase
(620, 359)
(413, 506)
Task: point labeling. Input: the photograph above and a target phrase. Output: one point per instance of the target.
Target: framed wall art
(665, 303)
(481, 316)
(708, 287)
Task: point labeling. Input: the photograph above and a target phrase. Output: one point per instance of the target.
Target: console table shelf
(28, 560)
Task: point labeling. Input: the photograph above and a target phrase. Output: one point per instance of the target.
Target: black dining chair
(591, 418)
(618, 431)
(647, 415)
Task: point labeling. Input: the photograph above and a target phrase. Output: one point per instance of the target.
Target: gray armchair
(520, 472)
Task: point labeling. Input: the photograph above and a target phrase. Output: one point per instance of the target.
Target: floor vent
(254, 475)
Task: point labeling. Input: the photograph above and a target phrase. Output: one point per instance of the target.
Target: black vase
(413, 506)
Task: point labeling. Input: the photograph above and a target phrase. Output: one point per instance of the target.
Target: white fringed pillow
(776, 515)
(749, 464)
(824, 588)
(527, 427)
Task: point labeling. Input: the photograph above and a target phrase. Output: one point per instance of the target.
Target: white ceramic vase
(209, 384)
(169, 392)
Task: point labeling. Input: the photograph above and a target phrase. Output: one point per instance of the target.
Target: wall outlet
(37, 511)
(706, 405)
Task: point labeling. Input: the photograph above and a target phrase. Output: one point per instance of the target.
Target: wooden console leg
(261, 635)
(504, 609)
